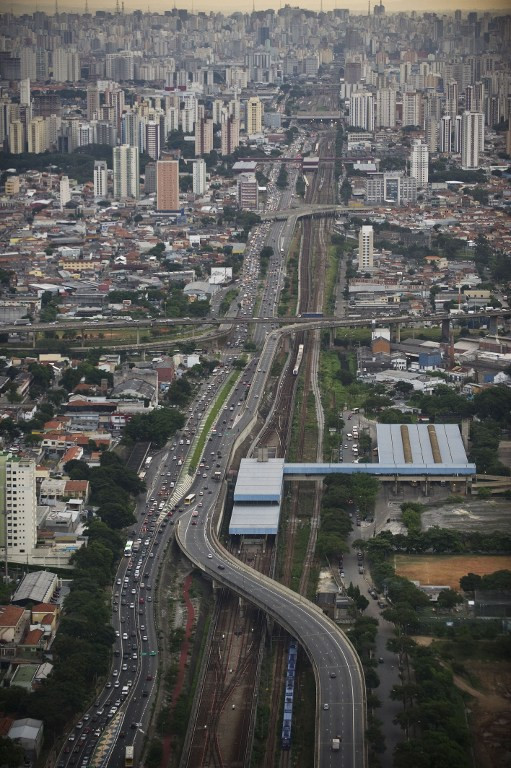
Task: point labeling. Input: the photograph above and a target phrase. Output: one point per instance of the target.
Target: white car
(210, 556)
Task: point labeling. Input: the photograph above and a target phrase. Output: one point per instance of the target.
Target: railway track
(222, 723)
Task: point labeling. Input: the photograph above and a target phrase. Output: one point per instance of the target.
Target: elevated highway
(340, 698)
(289, 323)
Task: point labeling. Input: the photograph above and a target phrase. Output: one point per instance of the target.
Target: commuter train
(287, 718)
(298, 360)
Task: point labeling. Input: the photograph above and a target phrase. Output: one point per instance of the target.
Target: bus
(129, 756)
(190, 499)
(128, 549)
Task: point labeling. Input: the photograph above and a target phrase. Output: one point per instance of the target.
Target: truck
(336, 745)
(129, 757)
(217, 476)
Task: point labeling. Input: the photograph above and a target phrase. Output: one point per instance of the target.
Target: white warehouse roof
(259, 481)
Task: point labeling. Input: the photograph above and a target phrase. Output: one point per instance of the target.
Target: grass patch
(219, 403)
(331, 276)
(289, 294)
(346, 336)
(227, 301)
(300, 549)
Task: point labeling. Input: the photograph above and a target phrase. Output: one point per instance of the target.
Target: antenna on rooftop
(369, 8)
(117, 9)
(253, 6)
(56, 7)
(86, 6)
(321, 6)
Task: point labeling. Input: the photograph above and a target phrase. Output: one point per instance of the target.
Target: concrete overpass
(307, 210)
(313, 116)
(288, 323)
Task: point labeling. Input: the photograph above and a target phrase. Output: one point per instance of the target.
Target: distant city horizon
(356, 7)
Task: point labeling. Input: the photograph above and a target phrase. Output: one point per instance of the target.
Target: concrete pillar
(398, 333)
(138, 336)
(493, 325)
(446, 329)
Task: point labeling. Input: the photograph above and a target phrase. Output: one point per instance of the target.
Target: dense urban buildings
(287, 224)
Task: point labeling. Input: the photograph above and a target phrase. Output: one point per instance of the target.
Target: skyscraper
(365, 248)
(126, 172)
(199, 177)
(254, 119)
(167, 185)
(419, 159)
(18, 505)
(100, 179)
(472, 138)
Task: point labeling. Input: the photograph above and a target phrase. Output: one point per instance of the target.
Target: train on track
(287, 718)
(298, 360)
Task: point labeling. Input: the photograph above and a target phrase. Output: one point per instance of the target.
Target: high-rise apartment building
(385, 108)
(248, 192)
(366, 248)
(126, 172)
(37, 135)
(432, 134)
(167, 185)
(254, 116)
(472, 138)
(152, 139)
(64, 191)
(445, 135)
(362, 110)
(199, 177)
(412, 108)
(203, 136)
(18, 505)
(16, 137)
(230, 133)
(419, 159)
(92, 102)
(100, 179)
(25, 91)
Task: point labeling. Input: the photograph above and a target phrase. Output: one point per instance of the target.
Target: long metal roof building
(257, 498)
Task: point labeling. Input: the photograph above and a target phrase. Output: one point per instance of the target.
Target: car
(124, 635)
(380, 660)
(210, 556)
(326, 706)
(149, 677)
(221, 567)
(144, 637)
(333, 675)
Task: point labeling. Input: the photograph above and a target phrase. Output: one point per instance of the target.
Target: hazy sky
(229, 6)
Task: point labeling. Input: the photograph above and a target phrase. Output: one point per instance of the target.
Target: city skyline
(357, 7)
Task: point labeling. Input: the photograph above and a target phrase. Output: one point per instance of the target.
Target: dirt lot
(470, 515)
(448, 569)
(490, 712)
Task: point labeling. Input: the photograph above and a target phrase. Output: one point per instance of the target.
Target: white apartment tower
(472, 138)
(446, 135)
(362, 111)
(64, 191)
(419, 159)
(365, 248)
(126, 172)
(25, 91)
(18, 505)
(412, 108)
(386, 108)
(199, 177)
(100, 179)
